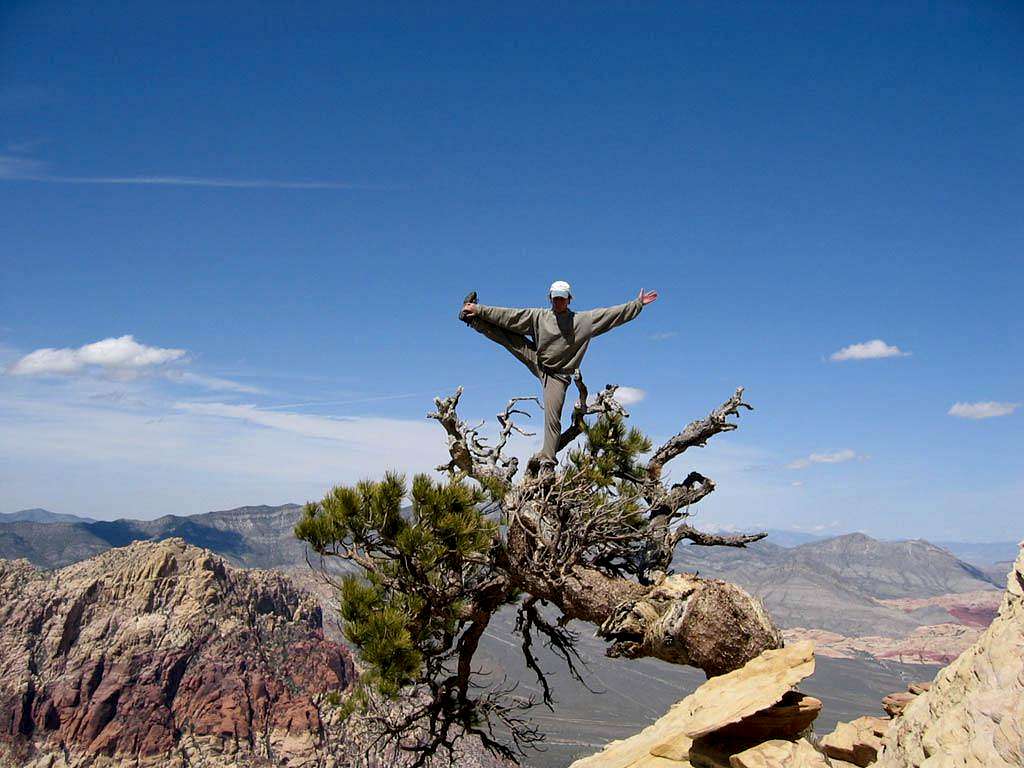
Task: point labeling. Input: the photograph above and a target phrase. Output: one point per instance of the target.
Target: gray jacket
(561, 340)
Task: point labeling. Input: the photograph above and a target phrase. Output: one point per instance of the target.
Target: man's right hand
(469, 310)
(647, 297)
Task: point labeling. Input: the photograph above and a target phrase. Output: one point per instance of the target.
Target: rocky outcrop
(733, 717)
(895, 703)
(160, 653)
(857, 742)
(779, 753)
(973, 713)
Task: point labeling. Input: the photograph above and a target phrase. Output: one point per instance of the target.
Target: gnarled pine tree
(594, 540)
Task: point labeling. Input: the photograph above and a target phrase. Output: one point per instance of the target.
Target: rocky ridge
(161, 654)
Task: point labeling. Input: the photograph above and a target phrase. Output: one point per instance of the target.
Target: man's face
(559, 304)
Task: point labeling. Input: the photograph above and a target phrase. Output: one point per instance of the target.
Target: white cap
(560, 288)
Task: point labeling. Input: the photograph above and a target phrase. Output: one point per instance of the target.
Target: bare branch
(469, 452)
(702, 539)
(694, 488)
(697, 433)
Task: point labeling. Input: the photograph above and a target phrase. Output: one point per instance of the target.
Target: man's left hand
(646, 297)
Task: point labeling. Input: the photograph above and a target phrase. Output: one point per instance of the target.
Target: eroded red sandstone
(160, 650)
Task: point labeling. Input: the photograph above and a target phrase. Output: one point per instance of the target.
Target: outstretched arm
(606, 318)
(515, 320)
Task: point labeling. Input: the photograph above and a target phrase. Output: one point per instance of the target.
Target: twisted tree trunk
(554, 529)
(683, 619)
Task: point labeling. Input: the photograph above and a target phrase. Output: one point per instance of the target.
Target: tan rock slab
(727, 700)
(785, 720)
(877, 725)
(857, 742)
(757, 685)
(719, 702)
(895, 703)
(778, 753)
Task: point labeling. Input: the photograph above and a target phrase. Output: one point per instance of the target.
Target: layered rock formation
(973, 714)
(734, 719)
(933, 644)
(161, 654)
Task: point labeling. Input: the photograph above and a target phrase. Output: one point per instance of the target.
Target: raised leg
(520, 346)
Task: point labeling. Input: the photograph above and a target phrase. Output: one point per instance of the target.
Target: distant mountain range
(37, 515)
(837, 584)
(254, 537)
(976, 553)
(261, 537)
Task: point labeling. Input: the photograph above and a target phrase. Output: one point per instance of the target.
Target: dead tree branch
(469, 452)
(697, 433)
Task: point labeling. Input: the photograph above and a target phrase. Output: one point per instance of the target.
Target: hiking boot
(470, 299)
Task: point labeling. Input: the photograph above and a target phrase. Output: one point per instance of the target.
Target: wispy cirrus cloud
(867, 350)
(663, 335)
(111, 453)
(21, 169)
(213, 382)
(985, 410)
(15, 165)
(836, 457)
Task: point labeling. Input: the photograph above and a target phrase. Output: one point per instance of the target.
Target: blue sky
(283, 207)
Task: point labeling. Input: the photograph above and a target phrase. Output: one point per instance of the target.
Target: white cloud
(325, 427)
(837, 457)
(816, 528)
(12, 167)
(664, 335)
(213, 382)
(630, 395)
(197, 450)
(797, 483)
(122, 354)
(17, 168)
(986, 410)
(867, 350)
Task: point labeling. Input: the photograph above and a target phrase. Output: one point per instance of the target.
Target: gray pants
(554, 385)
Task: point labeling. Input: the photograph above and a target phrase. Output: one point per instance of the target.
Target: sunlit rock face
(973, 714)
(160, 653)
(753, 710)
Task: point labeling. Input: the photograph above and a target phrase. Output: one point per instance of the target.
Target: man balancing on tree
(550, 342)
